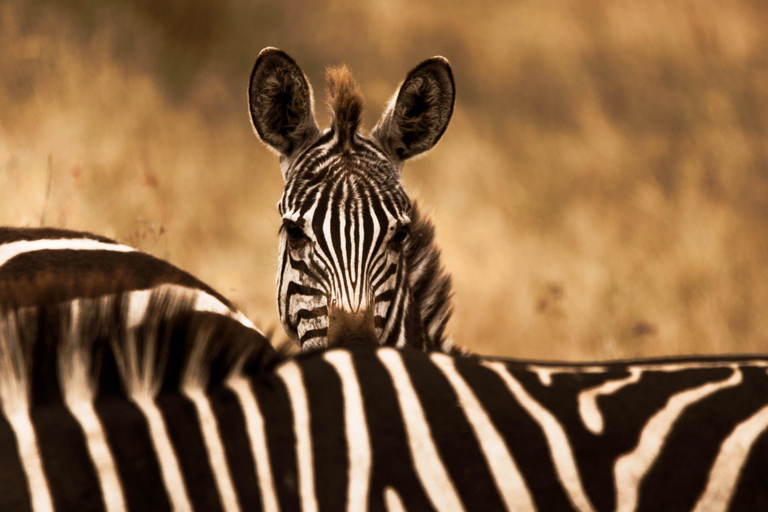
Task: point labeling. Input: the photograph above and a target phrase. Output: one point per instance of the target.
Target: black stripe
(464, 462)
(696, 438)
(298, 289)
(79, 274)
(14, 488)
(386, 296)
(300, 266)
(237, 448)
(183, 427)
(275, 408)
(329, 444)
(318, 220)
(71, 475)
(351, 240)
(314, 333)
(10, 234)
(305, 314)
(367, 230)
(336, 241)
(524, 437)
(393, 465)
(391, 270)
(127, 434)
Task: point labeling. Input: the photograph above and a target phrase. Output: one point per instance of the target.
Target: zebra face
(342, 269)
(341, 245)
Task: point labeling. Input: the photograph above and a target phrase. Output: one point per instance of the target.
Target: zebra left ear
(419, 113)
(281, 103)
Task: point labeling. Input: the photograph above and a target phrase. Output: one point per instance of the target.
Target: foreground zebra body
(182, 414)
(356, 259)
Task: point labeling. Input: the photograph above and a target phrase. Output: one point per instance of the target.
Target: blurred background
(601, 192)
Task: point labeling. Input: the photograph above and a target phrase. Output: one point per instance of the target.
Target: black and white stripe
(67, 265)
(101, 415)
(351, 241)
(188, 416)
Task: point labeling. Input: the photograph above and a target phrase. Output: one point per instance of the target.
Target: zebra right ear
(419, 113)
(281, 103)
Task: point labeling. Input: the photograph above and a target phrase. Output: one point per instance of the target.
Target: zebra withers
(357, 261)
(184, 414)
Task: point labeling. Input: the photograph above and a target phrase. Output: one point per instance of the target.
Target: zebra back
(188, 415)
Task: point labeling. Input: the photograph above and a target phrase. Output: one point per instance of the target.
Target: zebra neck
(429, 305)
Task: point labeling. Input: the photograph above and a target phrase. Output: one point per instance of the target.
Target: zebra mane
(87, 343)
(429, 282)
(346, 102)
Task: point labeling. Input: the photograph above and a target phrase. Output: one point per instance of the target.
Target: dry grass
(601, 192)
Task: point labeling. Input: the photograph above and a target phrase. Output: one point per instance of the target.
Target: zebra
(62, 266)
(184, 414)
(356, 260)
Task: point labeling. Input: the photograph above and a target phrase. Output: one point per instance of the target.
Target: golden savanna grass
(601, 192)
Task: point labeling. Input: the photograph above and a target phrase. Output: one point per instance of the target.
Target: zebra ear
(281, 103)
(419, 113)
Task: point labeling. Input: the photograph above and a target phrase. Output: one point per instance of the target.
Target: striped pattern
(57, 265)
(197, 421)
(355, 256)
(97, 415)
(352, 205)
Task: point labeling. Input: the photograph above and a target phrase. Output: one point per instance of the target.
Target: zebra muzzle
(347, 327)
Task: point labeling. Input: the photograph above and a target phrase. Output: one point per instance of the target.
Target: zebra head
(346, 263)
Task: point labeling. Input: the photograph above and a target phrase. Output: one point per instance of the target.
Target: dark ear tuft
(280, 100)
(420, 112)
(345, 101)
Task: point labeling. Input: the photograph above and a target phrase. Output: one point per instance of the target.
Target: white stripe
(505, 473)
(356, 430)
(545, 372)
(78, 383)
(100, 454)
(588, 410)
(429, 468)
(730, 461)
(169, 465)
(138, 302)
(557, 440)
(13, 249)
(630, 469)
(255, 425)
(14, 395)
(297, 395)
(392, 500)
(31, 462)
(215, 449)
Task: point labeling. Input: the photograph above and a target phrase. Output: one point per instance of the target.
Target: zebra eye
(294, 232)
(398, 239)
